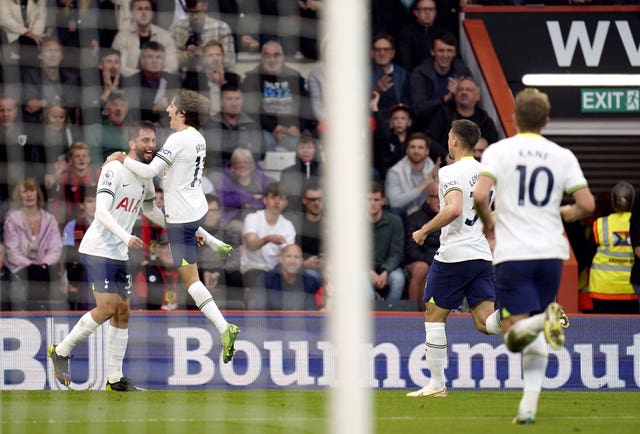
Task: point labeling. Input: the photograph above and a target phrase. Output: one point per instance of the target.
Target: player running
(531, 175)
(104, 252)
(180, 161)
(462, 265)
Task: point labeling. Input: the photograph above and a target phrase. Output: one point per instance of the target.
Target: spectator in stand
(196, 29)
(433, 83)
(231, 129)
(408, 179)
(463, 106)
(157, 283)
(49, 83)
(150, 90)
(264, 234)
(390, 80)
(76, 25)
(419, 257)
(243, 186)
(310, 229)
(13, 138)
(386, 278)
(276, 95)
(221, 275)
(634, 233)
(131, 40)
(79, 294)
(415, 39)
(23, 27)
(288, 286)
(107, 136)
(390, 138)
(210, 74)
(50, 147)
(316, 84)
(609, 279)
(479, 148)
(33, 250)
(306, 168)
(100, 85)
(73, 182)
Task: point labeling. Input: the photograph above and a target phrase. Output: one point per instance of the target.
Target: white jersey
(266, 257)
(184, 152)
(128, 192)
(531, 176)
(462, 239)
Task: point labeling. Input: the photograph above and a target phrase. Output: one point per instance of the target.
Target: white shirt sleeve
(145, 171)
(104, 202)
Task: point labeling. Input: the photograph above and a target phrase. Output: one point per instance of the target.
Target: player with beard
(104, 252)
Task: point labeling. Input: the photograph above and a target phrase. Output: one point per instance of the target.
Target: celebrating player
(462, 265)
(104, 251)
(530, 174)
(181, 161)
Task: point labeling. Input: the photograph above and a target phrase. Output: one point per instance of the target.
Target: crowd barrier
(291, 350)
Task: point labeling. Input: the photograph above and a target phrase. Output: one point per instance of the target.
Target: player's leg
(534, 364)
(481, 295)
(107, 300)
(223, 249)
(443, 292)
(184, 249)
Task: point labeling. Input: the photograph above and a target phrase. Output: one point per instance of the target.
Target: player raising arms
(181, 162)
(104, 252)
(531, 175)
(462, 265)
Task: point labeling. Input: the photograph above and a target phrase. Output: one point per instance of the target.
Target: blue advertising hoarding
(183, 351)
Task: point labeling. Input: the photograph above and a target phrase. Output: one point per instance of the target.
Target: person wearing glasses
(415, 39)
(388, 79)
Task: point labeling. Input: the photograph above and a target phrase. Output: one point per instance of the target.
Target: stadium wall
(182, 351)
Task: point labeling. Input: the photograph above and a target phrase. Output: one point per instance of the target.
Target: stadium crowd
(75, 72)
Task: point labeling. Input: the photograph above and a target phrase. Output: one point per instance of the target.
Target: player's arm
(104, 202)
(583, 207)
(481, 200)
(146, 171)
(153, 213)
(451, 211)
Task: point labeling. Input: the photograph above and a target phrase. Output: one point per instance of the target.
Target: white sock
(523, 332)
(81, 331)
(534, 365)
(436, 350)
(209, 239)
(207, 306)
(493, 323)
(116, 348)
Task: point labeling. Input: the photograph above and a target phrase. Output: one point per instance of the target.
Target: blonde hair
(532, 110)
(28, 184)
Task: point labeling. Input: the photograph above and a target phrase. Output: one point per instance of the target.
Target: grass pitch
(297, 411)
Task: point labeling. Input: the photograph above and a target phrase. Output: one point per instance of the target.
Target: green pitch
(286, 411)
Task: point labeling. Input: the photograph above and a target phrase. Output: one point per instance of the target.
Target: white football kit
(462, 239)
(531, 175)
(128, 193)
(180, 162)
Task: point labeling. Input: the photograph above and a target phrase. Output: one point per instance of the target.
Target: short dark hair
(467, 131)
(419, 135)
(230, 86)
(108, 51)
(311, 184)
(152, 45)
(445, 37)
(194, 106)
(376, 187)
(276, 189)
(134, 128)
(386, 36)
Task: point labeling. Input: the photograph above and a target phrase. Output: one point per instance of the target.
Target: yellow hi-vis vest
(611, 266)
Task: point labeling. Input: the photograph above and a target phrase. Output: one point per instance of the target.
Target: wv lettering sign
(610, 100)
(564, 47)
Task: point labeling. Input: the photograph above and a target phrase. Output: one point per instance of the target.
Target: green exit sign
(610, 100)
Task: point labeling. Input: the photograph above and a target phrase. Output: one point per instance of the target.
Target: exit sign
(610, 100)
